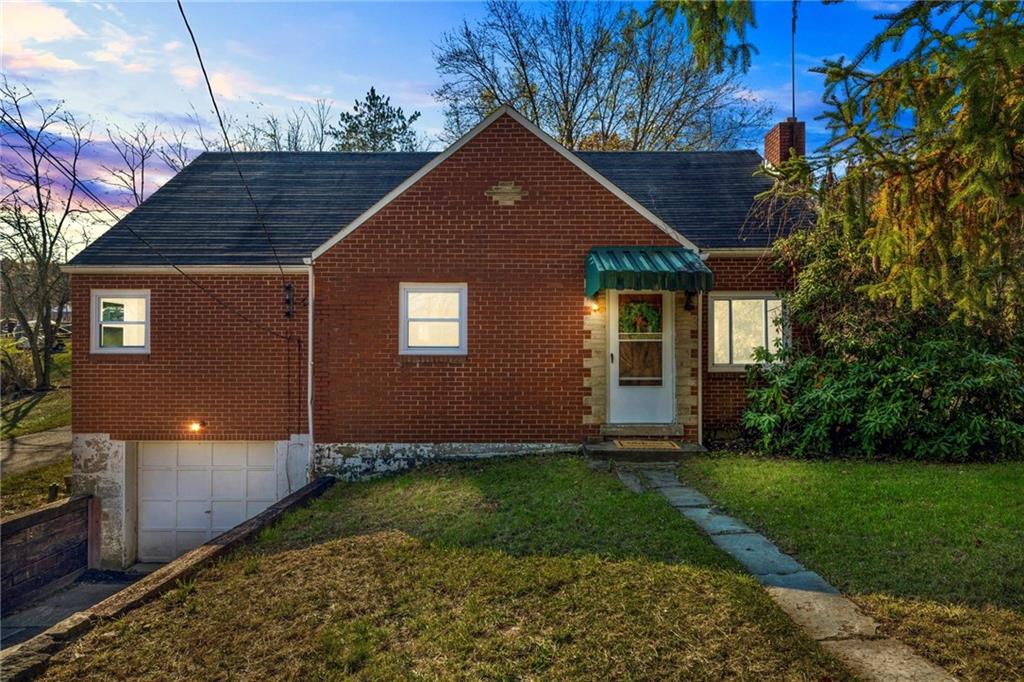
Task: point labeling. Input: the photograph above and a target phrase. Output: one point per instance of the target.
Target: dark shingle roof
(704, 196)
(202, 216)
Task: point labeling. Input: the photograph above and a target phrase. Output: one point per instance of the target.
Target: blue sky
(119, 63)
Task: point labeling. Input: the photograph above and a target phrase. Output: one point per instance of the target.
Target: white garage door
(190, 492)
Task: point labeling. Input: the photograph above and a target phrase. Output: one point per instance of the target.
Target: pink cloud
(26, 24)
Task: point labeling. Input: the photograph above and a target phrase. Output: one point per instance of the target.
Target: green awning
(666, 268)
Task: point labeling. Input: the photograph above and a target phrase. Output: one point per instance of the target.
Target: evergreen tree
(374, 125)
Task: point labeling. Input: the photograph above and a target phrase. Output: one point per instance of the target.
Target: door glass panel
(640, 340)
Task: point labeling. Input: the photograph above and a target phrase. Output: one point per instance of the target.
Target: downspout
(309, 367)
(700, 369)
(700, 359)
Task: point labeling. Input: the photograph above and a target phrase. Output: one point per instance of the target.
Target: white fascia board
(458, 144)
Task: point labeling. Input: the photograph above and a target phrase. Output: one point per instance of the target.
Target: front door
(641, 361)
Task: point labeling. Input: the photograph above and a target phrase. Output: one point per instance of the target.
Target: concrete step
(609, 450)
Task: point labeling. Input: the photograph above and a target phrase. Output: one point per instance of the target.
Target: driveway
(18, 455)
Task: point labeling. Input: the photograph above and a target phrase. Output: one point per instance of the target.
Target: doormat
(646, 444)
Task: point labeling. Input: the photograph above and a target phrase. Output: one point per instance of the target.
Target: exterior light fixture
(196, 427)
(594, 307)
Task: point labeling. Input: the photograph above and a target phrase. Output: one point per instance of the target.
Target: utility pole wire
(82, 187)
(227, 141)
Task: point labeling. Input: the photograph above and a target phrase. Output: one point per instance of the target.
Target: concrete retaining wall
(45, 549)
(358, 461)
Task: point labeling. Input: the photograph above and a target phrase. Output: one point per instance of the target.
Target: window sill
(432, 359)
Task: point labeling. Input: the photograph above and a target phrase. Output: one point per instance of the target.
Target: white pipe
(700, 368)
(311, 288)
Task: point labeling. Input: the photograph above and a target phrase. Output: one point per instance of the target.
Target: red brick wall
(523, 377)
(725, 392)
(205, 363)
(786, 135)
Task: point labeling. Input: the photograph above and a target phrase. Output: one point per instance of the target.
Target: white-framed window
(432, 319)
(741, 322)
(120, 321)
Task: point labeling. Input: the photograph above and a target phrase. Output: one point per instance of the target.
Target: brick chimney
(789, 134)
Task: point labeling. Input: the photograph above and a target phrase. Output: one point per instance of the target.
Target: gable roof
(203, 216)
(574, 159)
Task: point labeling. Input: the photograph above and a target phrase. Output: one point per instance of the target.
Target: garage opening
(192, 491)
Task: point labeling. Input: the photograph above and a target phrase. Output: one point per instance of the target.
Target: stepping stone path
(807, 598)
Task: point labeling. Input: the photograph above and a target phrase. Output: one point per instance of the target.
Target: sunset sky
(119, 63)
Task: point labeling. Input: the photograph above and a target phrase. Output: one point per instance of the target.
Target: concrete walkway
(92, 588)
(23, 453)
(809, 600)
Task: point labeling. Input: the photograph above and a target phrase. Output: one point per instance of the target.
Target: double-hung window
(432, 319)
(120, 321)
(739, 324)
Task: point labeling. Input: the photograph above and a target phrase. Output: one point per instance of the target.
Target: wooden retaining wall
(46, 549)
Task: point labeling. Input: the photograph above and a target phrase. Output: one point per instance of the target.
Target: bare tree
(136, 150)
(174, 149)
(595, 76)
(318, 117)
(40, 215)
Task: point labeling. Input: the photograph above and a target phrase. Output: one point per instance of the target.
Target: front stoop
(608, 450)
(809, 600)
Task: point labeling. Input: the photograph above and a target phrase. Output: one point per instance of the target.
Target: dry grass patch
(388, 606)
(526, 569)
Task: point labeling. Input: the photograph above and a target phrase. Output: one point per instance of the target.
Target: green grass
(516, 569)
(40, 411)
(934, 552)
(37, 412)
(29, 490)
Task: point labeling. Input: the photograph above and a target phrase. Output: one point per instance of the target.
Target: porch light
(592, 302)
(196, 427)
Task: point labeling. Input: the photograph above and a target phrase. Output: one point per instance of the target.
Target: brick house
(505, 295)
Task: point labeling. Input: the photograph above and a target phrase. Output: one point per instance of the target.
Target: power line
(227, 143)
(67, 173)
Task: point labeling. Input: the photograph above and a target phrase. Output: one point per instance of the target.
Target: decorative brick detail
(595, 361)
(506, 193)
(686, 366)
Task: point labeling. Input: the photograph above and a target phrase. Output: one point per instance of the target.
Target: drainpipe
(700, 368)
(309, 367)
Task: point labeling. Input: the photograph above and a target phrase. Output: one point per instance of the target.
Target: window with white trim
(740, 323)
(432, 319)
(120, 321)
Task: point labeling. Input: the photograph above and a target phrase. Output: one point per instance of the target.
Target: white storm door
(641, 360)
(192, 491)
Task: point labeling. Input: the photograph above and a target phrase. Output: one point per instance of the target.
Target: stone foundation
(105, 469)
(359, 461)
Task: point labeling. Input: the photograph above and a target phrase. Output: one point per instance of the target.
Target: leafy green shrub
(933, 397)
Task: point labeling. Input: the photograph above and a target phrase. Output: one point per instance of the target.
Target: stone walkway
(809, 600)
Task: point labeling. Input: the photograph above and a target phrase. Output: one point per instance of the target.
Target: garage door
(190, 492)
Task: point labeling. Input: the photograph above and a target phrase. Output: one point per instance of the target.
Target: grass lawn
(531, 568)
(934, 552)
(37, 412)
(41, 411)
(28, 490)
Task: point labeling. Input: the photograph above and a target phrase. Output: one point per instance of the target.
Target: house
(504, 295)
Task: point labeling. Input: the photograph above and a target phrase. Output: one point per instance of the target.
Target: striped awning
(665, 268)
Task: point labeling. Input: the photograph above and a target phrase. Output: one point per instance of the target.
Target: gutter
(187, 269)
(310, 296)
